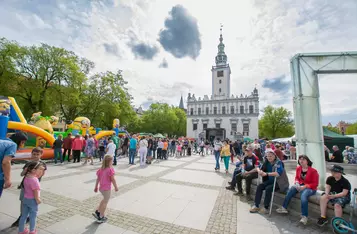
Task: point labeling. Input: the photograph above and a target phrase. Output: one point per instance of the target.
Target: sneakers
(33, 232)
(322, 221)
(230, 188)
(239, 193)
(102, 220)
(303, 220)
(264, 211)
(282, 210)
(254, 209)
(26, 231)
(230, 183)
(96, 214)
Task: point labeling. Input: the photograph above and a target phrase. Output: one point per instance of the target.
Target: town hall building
(222, 115)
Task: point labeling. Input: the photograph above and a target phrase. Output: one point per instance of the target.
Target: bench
(314, 203)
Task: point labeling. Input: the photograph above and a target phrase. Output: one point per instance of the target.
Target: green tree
(276, 123)
(180, 126)
(352, 129)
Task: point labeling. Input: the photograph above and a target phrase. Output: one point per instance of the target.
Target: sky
(166, 48)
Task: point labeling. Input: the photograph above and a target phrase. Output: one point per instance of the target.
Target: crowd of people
(262, 160)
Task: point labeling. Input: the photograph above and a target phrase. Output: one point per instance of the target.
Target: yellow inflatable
(80, 123)
(45, 123)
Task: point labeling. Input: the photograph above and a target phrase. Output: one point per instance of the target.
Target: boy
(36, 155)
(337, 192)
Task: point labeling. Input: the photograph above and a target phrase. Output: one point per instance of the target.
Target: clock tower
(221, 73)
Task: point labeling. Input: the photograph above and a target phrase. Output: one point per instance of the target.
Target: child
(36, 155)
(178, 150)
(31, 199)
(105, 179)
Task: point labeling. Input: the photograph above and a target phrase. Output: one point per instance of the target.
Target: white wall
(225, 82)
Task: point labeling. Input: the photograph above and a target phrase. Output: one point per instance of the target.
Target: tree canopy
(352, 129)
(276, 123)
(56, 81)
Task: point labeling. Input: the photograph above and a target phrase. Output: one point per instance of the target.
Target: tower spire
(221, 58)
(181, 106)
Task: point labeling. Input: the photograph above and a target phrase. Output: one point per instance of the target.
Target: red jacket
(77, 144)
(311, 179)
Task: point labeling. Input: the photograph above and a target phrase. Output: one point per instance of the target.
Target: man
(337, 192)
(248, 173)
(116, 142)
(57, 148)
(150, 146)
(279, 152)
(111, 149)
(67, 146)
(8, 149)
(336, 155)
(132, 149)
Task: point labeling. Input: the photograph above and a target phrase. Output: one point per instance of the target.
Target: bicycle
(342, 226)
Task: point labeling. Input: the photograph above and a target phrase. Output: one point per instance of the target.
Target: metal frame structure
(305, 69)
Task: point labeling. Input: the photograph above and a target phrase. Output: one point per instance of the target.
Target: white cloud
(260, 37)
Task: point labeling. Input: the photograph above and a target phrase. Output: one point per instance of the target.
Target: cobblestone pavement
(207, 207)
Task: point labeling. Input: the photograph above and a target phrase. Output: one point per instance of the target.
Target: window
(220, 81)
(204, 126)
(251, 109)
(207, 110)
(219, 73)
(245, 129)
(241, 109)
(218, 125)
(232, 109)
(220, 90)
(234, 127)
(215, 110)
(199, 111)
(223, 110)
(191, 111)
(194, 126)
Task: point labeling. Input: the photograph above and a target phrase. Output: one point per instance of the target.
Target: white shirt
(143, 143)
(111, 147)
(217, 145)
(160, 145)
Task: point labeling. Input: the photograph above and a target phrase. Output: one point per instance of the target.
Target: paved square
(181, 205)
(142, 171)
(81, 225)
(168, 163)
(10, 203)
(201, 166)
(197, 177)
(79, 187)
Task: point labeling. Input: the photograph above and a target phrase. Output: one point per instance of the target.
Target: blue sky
(167, 47)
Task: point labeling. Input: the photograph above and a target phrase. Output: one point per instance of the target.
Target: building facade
(222, 115)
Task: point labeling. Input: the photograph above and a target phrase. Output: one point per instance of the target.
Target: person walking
(67, 146)
(57, 148)
(226, 153)
(143, 147)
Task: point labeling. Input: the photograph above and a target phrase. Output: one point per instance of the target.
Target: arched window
(220, 90)
(220, 81)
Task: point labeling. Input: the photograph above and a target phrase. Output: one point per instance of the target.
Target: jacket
(67, 143)
(311, 179)
(282, 180)
(77, 144)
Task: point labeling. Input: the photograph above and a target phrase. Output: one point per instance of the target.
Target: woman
(225, 154)
(306, 182)
(143, 149)
(89, 149)
(189, 148)
(271, 168)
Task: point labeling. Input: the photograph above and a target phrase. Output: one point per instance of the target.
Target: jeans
(149, 152)
(248, 181)
(132, 153)
(226, 162)
(1, 186)
(268, 187)
(234, 180)
(29, 208)
(58, 151)
(217, 156)
(159, 153)
(64, 153)
(304, 196)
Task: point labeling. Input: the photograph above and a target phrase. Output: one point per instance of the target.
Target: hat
(337, 168)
